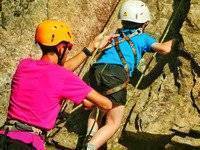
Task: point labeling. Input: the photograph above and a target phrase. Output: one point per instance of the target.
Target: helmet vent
(125, 13)
(52, 37)
(136, 16)
(55, 27)
(69, 34)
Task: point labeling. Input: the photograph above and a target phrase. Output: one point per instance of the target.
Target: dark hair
(49, 49)
(131, 25)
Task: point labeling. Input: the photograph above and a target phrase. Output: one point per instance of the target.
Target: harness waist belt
(12, 125)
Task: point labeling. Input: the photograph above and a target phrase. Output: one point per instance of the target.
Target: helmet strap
(144, 25)
(60, 57)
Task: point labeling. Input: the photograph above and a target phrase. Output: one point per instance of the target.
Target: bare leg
(93, 122)
(113, 120)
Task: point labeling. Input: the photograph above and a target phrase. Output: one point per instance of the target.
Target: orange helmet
(52, 32)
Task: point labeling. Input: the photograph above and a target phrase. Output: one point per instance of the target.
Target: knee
(113, 124)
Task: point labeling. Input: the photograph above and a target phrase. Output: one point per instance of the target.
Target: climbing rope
(88, 61)
(82, 71)
(174, 15)
(145, 69)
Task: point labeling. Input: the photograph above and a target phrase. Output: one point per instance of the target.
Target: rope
(93, 56)
(96, 118)
(161, 40)
(81, 73)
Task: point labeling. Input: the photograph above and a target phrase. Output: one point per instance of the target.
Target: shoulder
(68, 74)
(147, 36)
(148, 39)
(25, 60)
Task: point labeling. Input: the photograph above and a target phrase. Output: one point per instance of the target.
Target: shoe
(86, 141)
(88, 146)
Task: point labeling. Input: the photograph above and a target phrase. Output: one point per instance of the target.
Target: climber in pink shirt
(39, 87)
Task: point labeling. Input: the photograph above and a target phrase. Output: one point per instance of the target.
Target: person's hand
(101, 41)
(87, 104)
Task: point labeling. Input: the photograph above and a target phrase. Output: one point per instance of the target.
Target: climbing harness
(138, 31)
(123, 60)
(13, 125)
(126, 68)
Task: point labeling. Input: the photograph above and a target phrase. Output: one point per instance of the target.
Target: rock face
(166, 103)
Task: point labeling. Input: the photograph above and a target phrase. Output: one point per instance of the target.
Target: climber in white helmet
(110, 74)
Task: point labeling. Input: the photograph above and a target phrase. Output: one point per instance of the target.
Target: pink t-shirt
(38, 88)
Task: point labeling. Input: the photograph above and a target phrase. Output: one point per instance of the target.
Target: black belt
(13, 125)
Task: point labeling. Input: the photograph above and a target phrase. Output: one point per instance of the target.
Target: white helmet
(134, 11)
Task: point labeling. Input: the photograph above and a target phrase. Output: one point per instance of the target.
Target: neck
(52, 58)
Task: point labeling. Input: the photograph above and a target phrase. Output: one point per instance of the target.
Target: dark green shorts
(106, 76)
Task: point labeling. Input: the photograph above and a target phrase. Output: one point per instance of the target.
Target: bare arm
(163, 48)
(74, 62)
(99, 100)
(87, 104)
(99, 42)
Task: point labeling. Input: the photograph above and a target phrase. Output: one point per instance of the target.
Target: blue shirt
(142, 43)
